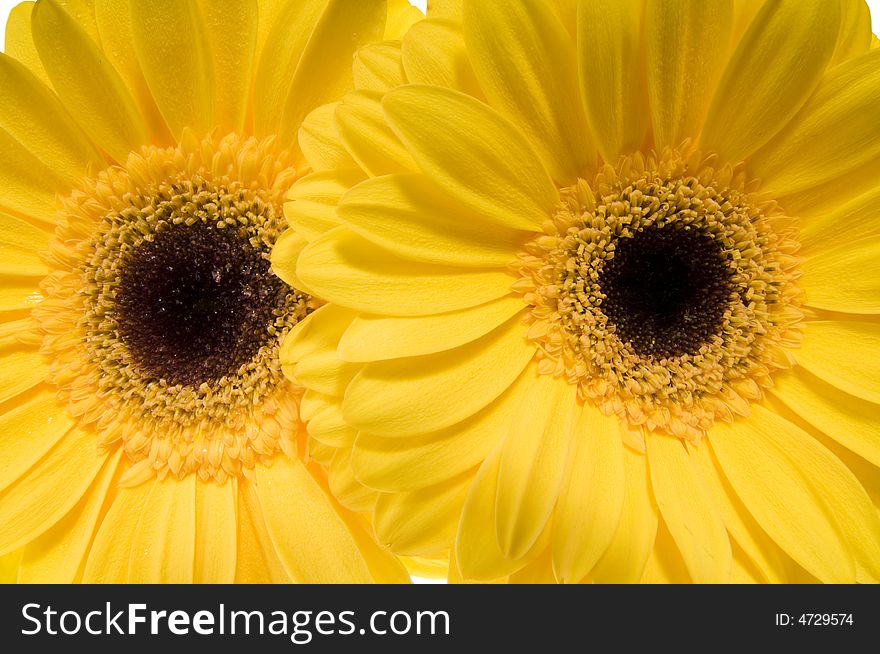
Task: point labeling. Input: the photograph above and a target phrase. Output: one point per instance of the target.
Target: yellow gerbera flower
(605, 307)
(146, 430)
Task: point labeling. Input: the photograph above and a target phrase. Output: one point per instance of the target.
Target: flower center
(162, 317)
(665, 290)
(195, 303)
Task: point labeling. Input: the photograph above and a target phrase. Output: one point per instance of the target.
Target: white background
(6, 5)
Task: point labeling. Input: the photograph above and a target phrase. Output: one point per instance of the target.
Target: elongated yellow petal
(852, 223)
(231, 30)
(324, 372)
(746, 533)
(172, 47)
(417, 396)
(20, 40)
(312, 541)
(533, 462)
(345, 268)
(27, 185)
(687, 47)
(378, 67)
(324, 72)
(327, 425)
(87, 84)
(836, 132)
(852, 422)
(490, 167)
(422, 522)
(317, 333)
(256, 560)
(401, 16)
(116, 33)
(59, 555)
(163, 547)
(591, 500)
(855, 31)
(844, 279)
(445, 9)
(612, 74)
(347, 490)
(477, 555)
(20, 246)
(691, 517)
(409, 216)
(626, 556)
(21, 368)
(320, 142)
(367, 137)
(665, 565)
(216, 524)
(313, 200)
(285, 252)
(32, 115)
(857, 373)
(526, 65)
(372, 338)
(109, 554)
(290, 27)
(49, 489)
(29, 430)
(775, 67)
(18, 293)
(765, 458)
(433, 52)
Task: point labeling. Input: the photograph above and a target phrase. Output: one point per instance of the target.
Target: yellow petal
(312, 541)
(409, 216)
(371, 338)
(342, 267)
(852, 422)
(20, 369)
(378, 67)
(87, 84)
(32, 115)
(27, 185)
(20, 246)
(289, 29)
(855, 31)
(691, 517)
(350, 493)
(445, 9)
(29, 430)
(844, 279)
(424, 394)
(845, 355)
(526, 65)
(313, 200)
(626, 556)
(327, 425)
(852, 223)
(405, 464)
(324, 73)
(773, 71)
(320, 142)
(109, 554)
(367, 137)
(612, 74)
(19, 293)
(401, 16)
(686, 52)
(592, 496)
(20, 40)
(743, 529)
(163, 547)
(836, 132)
(285, 252)
(769, 463)
(319, 332)
(433, 52)
(534, 457)
(485, 163)
(231, 29)
(421, 522)
(59, 555)
(324, 372)
(665, 565)
(216, 524)
(256, 559)
(172, 47)
(477, 555)
(45, 493)
(117, 40)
